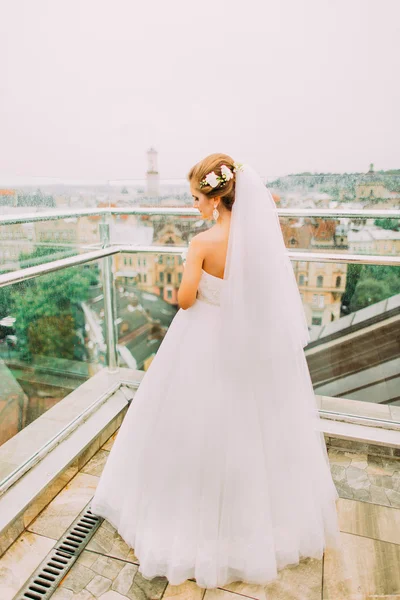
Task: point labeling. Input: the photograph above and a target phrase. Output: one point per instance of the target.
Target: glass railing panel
(36, 242)
(156, 229)
(146, 296)
(353, 313)
(377, 235)
(49, 342)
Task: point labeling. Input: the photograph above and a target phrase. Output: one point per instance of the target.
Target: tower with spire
(152, 174)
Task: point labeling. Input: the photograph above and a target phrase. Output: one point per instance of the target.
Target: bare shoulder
(205, 238)
(198, 244)
(200, 239)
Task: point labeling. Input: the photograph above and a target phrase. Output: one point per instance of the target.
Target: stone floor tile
(369, 520)
(20, 560)
(365, 477)
(218, 594)
(147, 589)
(107, 541)
(124, 579)
(186, 591)
(108, 567)
(336, 457)
(294, 581)
(63, 510)
(99, 585)
(63, 594)
(78, 577)
(112, 595)
(110, 578)
(96, 464)
(49, 493)
(371, 565)
(394, 498)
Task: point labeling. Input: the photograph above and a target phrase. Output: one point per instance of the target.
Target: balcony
(61, 413)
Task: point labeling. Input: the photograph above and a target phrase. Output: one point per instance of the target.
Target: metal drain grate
(43, 582)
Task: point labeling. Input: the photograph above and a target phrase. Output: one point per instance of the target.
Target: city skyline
(88, 87)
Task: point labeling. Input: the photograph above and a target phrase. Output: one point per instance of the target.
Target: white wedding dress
(212, 481)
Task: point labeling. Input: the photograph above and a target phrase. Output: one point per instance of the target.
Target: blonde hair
(214, 162)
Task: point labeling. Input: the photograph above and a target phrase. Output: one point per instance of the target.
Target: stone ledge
(357, 411)
(23, 501)
(20, 448)
(361, 438)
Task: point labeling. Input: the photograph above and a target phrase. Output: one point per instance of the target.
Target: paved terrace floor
(368, 568)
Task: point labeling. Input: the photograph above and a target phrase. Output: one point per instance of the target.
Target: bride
(219, 471)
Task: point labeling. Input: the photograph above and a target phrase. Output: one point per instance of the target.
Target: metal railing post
(110, 311)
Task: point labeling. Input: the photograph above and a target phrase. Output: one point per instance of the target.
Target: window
(169, 278)
(338, 281)
(162, 276)
(316, 321)
(145, 278)
(301, 280)
(130, 261)
(138, 262)
(144, 262)
(320, 281)
(169, 294)
(124, 260)
(179, 277)
(140, 277)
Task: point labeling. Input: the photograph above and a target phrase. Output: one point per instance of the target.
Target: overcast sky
(87, 86)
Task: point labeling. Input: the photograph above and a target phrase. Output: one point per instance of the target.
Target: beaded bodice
(209, 288)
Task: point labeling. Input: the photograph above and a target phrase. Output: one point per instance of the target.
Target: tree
(48, 316)
(48, 310)
(388, 223)
(353, 276)
(368, 291)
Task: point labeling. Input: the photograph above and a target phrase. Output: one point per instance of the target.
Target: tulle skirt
(219, 480)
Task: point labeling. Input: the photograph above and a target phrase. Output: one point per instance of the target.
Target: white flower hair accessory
(214, 180)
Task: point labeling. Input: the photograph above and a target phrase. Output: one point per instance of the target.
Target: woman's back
(215, 242)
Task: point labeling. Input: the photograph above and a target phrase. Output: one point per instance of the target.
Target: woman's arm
(191, 274)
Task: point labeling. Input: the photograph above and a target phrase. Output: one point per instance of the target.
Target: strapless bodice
(209, 288)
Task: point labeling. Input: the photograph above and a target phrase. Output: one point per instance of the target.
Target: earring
(215, 213)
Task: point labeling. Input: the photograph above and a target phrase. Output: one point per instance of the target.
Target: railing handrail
(63, 263)
(50, 215)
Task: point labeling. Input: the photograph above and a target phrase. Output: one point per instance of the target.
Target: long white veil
(266, 381)
(263, 324)
(260, 294)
